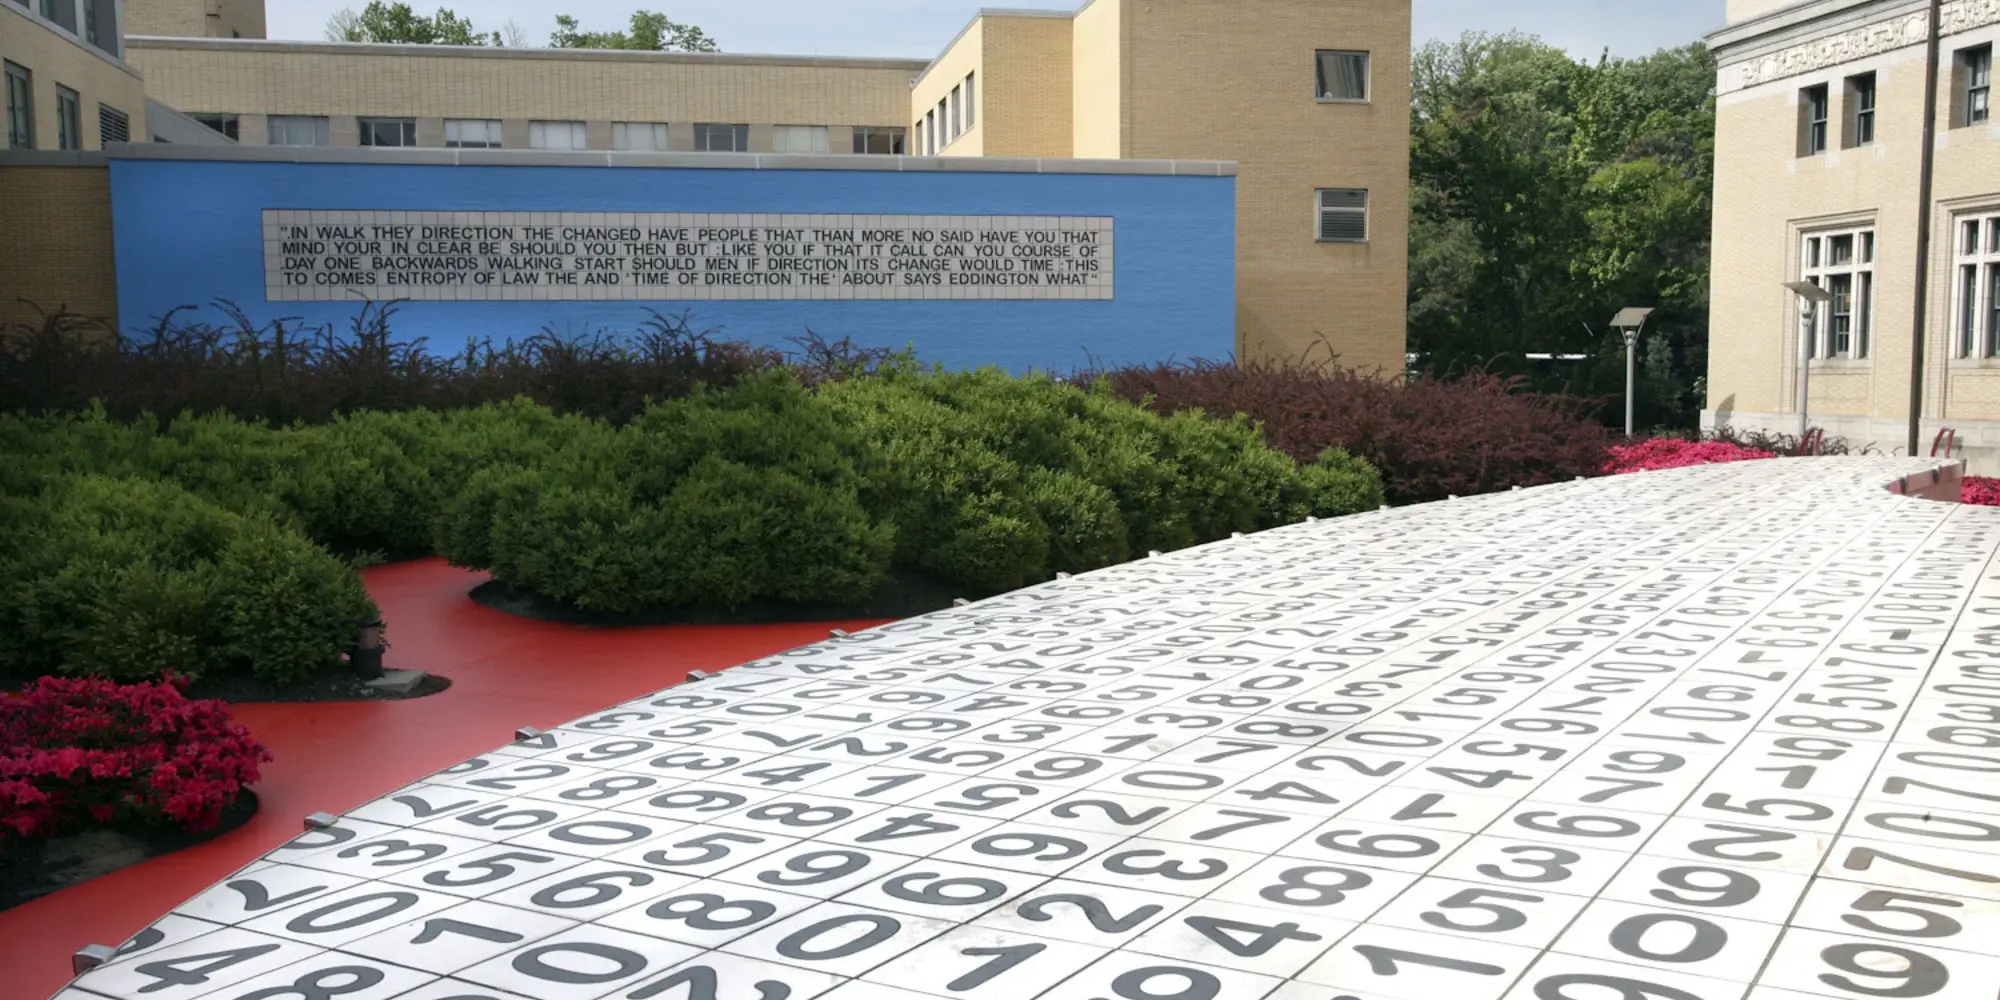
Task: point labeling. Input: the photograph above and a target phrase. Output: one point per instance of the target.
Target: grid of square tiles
(1699, 735)
(921, 257)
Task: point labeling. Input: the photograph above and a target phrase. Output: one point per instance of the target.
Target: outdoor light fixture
(1812, 296)
(366, 656)
(1630, 321)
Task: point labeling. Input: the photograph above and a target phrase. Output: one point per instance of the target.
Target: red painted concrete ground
(506, 672)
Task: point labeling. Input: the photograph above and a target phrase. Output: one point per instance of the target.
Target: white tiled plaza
(1716, 733)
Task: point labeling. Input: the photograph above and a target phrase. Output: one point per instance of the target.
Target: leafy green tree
(1547, 193)
(399, 23)
(650, 31)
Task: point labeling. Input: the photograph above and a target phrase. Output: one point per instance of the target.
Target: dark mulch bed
(36, 868)
(905, 593)
(337, 685)
(333, 686)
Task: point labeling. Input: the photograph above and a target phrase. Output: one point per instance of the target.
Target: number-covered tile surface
(1710, 734)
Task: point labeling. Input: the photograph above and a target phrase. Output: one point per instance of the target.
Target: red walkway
(506, 672)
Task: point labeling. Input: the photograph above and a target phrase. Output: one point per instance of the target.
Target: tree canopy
(398, 23)
(1547, 193)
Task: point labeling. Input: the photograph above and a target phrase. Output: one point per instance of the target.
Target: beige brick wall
(1767, 196)
(196, 18)
(1097, 71)
(57, 222)
(447, 82)
(967, 54)
(1028, 64)
(1202, 81)
(57, 59)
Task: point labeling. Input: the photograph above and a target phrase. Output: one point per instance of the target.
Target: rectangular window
(957, 111)
(643, 137)
(1861, 109)
(1843, 263)
(69, 122)
(714, 138)
(1976, 67)
(471, 133)
(878, 141)
(223, 123)
(20, 107)
(971, 101)
(1342, 215)
(800, 139)
(100, 24)
(1343, 76)
(112, 125)
(930, 133)
(1812, 120)
(62, 12)
(299, 130)
(1976, 258)
(388, 131)
(556, 135)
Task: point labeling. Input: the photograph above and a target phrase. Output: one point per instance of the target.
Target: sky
(920, 28)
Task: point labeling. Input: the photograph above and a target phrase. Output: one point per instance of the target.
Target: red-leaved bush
(1430, 438)
(1983, 491)
(1674, 453)
(81, 751)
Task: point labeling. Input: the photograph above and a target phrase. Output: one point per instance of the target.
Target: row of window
(94, 22)
(954, 116)
(1972, 103)
(111, 123)
(486, 133)
(1843, 263)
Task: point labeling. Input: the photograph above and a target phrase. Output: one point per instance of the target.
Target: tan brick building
(1309, 97)
(1818, 167)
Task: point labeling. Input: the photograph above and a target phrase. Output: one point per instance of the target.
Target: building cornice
(157, 43)
(700, 161)
(1807, 37)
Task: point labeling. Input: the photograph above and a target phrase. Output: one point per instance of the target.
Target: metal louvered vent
(1343, 215)
(112, 125)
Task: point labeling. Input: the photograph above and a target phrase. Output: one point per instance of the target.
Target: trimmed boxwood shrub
(716, 499)
(129, 578)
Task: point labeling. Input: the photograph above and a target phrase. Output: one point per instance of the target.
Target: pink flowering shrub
(81, 751)
(1981, 490)
(1673, 453)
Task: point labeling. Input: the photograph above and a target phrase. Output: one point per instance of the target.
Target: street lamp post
(1811, 296)
(1629, 321)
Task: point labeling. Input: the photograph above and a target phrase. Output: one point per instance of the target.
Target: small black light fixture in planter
(366, 656)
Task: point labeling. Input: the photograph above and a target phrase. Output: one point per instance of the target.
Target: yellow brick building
(1309, 97)
(1820, 114)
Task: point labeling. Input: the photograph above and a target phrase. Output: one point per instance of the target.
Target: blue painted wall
(190, 232)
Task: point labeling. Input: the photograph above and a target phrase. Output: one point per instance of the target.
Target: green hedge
(131, 577)
(209, 542)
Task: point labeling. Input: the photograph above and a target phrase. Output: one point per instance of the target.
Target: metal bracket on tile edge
(320, 820)
(526, 733)
(89, 957)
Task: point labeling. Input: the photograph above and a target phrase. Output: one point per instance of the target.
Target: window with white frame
(472, 133)
(645, 137)
(957, 111)
(971, 101)
(556, 135)
(1976, 286)
(388, 131)
(224, 123)
(878, 141)
(1975, 67)
(1860, 110)
(299, 130)
(69, 119)
(1813, 108)
(799, 139)
(717, 137)
(20, 107)
(1843, 263)
(930, 133)
(1342, 215)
